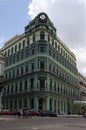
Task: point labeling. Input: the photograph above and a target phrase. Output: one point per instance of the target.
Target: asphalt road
(43, 123)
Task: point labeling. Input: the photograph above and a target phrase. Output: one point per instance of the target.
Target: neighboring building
(80, 105)
(82, 84)
(1, 77)
(40, 71)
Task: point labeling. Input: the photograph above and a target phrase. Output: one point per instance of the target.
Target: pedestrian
(18, 113)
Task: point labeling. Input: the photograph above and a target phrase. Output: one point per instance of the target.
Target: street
(43, 123)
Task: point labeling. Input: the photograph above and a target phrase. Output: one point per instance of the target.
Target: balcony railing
(30, 90)
(42, 70)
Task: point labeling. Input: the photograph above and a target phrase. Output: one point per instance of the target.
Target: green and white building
(40, 70)
(1, 78)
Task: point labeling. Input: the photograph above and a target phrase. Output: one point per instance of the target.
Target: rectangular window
(42, 35)
(15, 48)
(17, 72)
(32, 83)
(13, 73)
(33, 37)
(48, 38)
(20, 86)
(25, 85)
(42, 49)
(23, 45)
(27, 41)
(33, 51)
(16, 86)
(32, 66)
(21, 70)
(50, 52)
(27, 53)
(8, 52)
(26, 68)
(17, 58)
(19, 46)
(12, 50)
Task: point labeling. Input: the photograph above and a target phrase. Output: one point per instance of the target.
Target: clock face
(42, 17)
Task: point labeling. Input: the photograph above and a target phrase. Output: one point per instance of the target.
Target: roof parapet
(12, 39)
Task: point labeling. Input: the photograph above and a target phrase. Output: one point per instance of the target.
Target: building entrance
(42, 104)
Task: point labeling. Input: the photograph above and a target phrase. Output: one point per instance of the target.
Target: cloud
(81, 58)
(69, 17)
(2, 39)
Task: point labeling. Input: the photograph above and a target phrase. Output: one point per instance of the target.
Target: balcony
(43, 90)
(37, 71)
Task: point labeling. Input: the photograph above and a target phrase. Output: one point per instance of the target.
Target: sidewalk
(8, 117)
(70, 116)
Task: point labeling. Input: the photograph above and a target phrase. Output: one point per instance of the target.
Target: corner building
(40, 71)
(1, 78)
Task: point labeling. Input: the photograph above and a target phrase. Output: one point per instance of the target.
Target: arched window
(42, 35)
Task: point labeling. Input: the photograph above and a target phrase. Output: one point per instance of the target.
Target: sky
(68, 16)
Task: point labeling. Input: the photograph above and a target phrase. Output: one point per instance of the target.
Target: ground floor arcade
(59, 104)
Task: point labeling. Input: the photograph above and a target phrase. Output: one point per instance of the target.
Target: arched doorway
(68, 107)
(42, 104)
(32, 103)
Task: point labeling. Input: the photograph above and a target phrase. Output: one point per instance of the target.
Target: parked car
(7, 112)
(48, 113)
(33, 112)
(30, 112)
